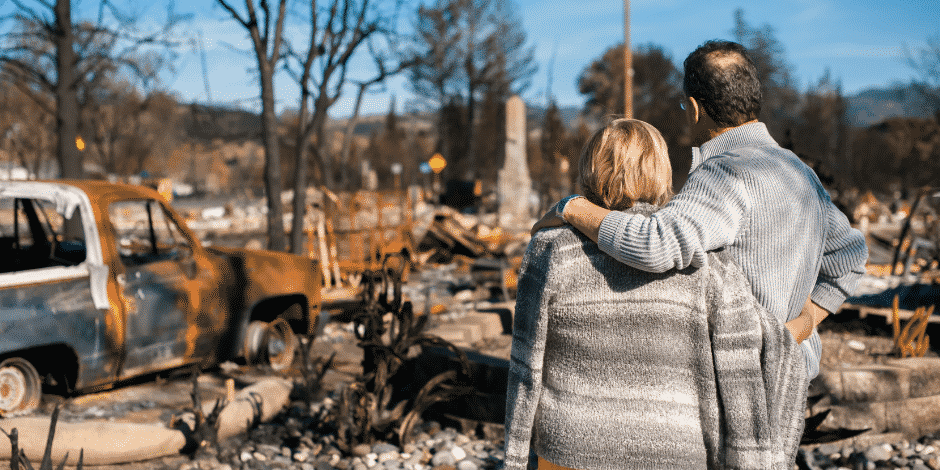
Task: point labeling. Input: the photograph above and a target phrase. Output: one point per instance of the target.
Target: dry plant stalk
(387, 331)
(911, 341)
(18, 457)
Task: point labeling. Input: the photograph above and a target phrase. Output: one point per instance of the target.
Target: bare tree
(26, 129)
(337, 32)
(46, 54)
(926, 62)
(463, 49)
(267, 37)
(781, 99)
(657, 91)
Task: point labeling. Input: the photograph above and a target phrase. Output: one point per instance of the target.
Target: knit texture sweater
(771, 212)
(613, 367)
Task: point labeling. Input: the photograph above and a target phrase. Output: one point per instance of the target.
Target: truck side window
(33, 235)
(146, 234)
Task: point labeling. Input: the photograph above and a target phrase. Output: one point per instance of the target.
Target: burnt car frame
(101, 282)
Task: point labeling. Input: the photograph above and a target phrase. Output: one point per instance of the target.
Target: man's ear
(696, 110)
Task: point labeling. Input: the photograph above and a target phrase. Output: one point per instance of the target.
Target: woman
(613, 367)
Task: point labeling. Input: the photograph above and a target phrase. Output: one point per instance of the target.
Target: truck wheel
(20, 386)
(273, 343)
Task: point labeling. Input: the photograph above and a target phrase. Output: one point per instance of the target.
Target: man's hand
(549, 220)
(580, 213)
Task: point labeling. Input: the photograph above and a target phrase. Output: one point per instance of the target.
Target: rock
(361, 450)
(879, 453)
(388, 456)
(919, 466)
(459, 453)
(307, 466)
(259, 456)
(933, 463)
(246, 456)
(323, 466)
(301, 456)
(466, 465)
(827, 449)
(383, 447)
(409, 449)
(443, 458)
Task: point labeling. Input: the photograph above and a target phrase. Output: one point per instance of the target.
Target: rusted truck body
(101, 282)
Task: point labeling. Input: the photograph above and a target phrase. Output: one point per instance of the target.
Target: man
(744, 193)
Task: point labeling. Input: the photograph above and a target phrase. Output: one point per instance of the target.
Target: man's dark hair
(723, 79)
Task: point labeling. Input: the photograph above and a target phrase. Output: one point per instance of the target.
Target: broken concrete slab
(924, 376)
(896, 379)
(870, 383)
(104, 443)
(258, 402)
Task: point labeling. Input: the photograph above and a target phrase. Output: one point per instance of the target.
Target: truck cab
(100, 282)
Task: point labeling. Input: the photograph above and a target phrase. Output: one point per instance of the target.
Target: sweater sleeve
(530, 325)
(707, 214)
(843, 264)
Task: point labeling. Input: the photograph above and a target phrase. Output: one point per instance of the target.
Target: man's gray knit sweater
(613, 367)
(769, 209)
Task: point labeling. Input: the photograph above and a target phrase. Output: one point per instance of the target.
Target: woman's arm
(530, 325)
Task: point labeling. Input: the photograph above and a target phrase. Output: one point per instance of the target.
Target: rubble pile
(920, 454)
(285, 444)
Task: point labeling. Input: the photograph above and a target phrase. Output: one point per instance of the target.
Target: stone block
(872, 383)
(490, 323)
(461, 334)
(924, 376)
(914, 416)
(857, 416)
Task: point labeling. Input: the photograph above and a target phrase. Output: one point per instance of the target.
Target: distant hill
(875, 105)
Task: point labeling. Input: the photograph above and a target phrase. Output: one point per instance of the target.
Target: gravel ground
(291, 442)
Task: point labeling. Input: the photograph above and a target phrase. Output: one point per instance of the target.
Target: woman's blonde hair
(625, 162)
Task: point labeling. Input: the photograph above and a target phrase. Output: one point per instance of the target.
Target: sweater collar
(641, 208)
(754, 134)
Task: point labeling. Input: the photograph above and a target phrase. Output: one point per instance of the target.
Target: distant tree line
(92, 84)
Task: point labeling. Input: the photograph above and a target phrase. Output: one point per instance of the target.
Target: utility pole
(627, 64)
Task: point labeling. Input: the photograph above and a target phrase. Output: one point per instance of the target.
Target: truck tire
(20, 386)
(273, 343)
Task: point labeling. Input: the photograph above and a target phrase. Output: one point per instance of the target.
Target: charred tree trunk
(272, 164)
(66, 91)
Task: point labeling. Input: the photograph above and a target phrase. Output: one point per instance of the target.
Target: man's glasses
(682, 105)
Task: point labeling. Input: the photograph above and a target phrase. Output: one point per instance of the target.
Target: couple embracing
(660, 331)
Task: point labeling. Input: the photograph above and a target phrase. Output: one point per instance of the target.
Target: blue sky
(862, 42)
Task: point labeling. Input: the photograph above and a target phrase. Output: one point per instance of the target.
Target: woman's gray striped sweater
(613, 367)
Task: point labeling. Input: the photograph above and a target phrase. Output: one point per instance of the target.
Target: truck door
(158, 266)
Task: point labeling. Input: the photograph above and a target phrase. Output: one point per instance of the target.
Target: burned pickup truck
(101, 282)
